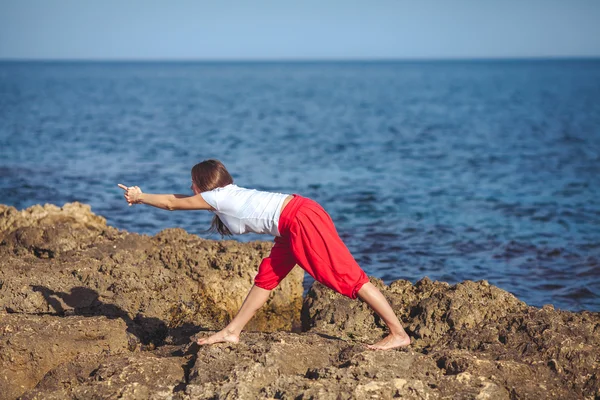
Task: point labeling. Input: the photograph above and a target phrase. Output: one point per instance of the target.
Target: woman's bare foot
(391, 341)
(220, 337)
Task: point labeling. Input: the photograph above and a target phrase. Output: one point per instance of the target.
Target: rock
(87, 311)
(553, 348)
(305, 365)
(491, 391)
(429, 309)
(66, 261)
(131, 376)
(30, 346)
(49, 230)
(329, 313)
(49, 214)
(473, 330)
(287, 365)
(464, 305)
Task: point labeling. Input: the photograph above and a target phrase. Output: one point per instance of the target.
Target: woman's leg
(272, 270)
(375, 299)
(320, 251)
(256, 298)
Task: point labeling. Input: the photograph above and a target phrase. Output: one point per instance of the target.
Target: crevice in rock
(192, 351)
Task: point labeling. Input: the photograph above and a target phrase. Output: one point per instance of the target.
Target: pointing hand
(132, 193)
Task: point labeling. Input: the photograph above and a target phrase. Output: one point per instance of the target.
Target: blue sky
(298, 29)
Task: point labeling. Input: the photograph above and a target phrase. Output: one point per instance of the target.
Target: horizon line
(299, 60)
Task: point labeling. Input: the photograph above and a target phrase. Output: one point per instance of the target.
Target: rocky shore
(89, 312)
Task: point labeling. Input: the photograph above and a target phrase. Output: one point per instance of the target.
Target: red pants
(309, 239)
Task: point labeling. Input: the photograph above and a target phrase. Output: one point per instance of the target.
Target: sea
(451, 170)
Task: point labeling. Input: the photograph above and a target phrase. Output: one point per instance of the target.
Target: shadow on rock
(86, 302)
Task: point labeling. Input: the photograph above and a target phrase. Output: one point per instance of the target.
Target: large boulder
(476, 332)
(67, 261)
(87, 311)
(48, 230)
(427, 309)
(290, 366)
(557, 347)
(306, 365)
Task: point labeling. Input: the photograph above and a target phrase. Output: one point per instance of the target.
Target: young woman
(304, 235)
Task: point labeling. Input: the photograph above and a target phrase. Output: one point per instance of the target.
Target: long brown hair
(209, 175)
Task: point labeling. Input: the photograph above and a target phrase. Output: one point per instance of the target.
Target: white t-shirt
(246, 210)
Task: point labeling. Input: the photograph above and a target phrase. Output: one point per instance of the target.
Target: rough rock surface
(68, 261)
(473, 331)
(87, 311)
(139, 375)
(430, 309)
(32, 345)
(306, 366)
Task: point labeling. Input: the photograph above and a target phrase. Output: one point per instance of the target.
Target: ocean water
(450, 170)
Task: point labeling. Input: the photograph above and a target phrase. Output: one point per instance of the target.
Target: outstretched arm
(134, 195)
(256, 298)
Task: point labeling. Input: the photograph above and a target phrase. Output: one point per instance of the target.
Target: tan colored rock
(428, 309)
(473, 330)
(48, 230)
(284, 365)
(122, 308)
(30, 346)
(329, 313)
(555, 349)
(288, 366)
(130, 376)
(66, 261)
(491, 391)
(79, 214)
(464, 305)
